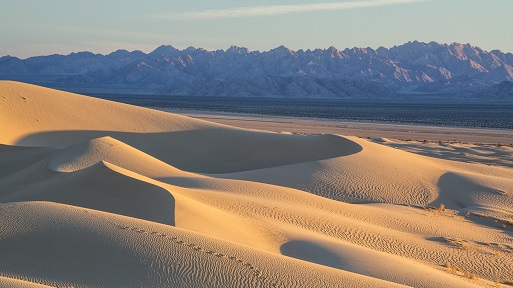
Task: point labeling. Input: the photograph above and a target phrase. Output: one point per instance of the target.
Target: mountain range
(412, 68)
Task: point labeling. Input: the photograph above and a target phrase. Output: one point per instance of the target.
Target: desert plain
(95, 193)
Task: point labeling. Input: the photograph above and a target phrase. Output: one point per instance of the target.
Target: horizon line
(263, 51)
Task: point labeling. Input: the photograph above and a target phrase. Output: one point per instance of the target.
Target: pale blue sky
(35, 27)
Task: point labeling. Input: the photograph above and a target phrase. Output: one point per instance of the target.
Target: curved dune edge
(108, 149)
(37, 116)
(354, 258)
(387, 175)
(42, 110)
(358, 204)
(16, 283)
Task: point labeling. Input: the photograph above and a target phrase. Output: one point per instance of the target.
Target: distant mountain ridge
(414, 67)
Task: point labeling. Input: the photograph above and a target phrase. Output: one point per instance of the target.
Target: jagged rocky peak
(80, 54)
(383, 51)
(420, 47)
(282, 51)
(238, 50)
(6, 57)
(460, 50)
(164, 50)
(362, 52)
(119, 51)
(125, 53)
(334, 52)
(332, 49)
(204, 50)
(416, 44)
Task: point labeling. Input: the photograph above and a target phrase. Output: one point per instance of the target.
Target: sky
(35, 27)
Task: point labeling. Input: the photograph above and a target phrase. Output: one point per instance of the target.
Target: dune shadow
(75, 252)
(483, 154)
(312, 252)
(14, 159)
(101, 188)
(464, 195)
(111, 191)
(458, 192)
(441, 240)
(215, 150)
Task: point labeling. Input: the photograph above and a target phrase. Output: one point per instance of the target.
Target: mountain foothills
(412, 68)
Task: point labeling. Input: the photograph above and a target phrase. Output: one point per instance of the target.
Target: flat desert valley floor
(95, 193)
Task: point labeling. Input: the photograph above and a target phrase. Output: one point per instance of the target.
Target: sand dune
(102, 194)
(386, 175)
(88, 153)
(168, 137)
(30, 110)
(13, 159)
(15, 283)
(117, 251)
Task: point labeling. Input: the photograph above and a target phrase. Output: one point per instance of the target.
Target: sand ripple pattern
(257, 273)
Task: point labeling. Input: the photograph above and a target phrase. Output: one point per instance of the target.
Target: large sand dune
(95, 193)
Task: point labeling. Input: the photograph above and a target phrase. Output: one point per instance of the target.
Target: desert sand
(306, 125)
(95, 193)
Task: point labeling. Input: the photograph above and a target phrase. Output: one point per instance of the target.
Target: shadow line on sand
(216, 150)
(98, 187)
(312, 252)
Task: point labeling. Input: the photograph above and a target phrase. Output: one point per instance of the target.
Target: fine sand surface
(95, 193)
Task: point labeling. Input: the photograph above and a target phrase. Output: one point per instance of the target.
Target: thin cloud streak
(273, 10)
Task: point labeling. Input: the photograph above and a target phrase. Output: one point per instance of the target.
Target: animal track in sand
(257, 273)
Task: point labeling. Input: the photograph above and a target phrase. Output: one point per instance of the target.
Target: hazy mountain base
(291, 87)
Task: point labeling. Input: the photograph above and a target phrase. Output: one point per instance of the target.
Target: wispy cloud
(272, 10)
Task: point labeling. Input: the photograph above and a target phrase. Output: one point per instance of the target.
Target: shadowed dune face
(216, 150)
(366, 261)
(312, 252)
(483, 199)
(14, 159)
(50, 118)
(380, 174)
(108, 149)
(458, 191)
(98, 187)
(28, 109)
(75, 245)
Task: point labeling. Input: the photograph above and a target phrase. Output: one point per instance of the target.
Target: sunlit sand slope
(62, 246)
